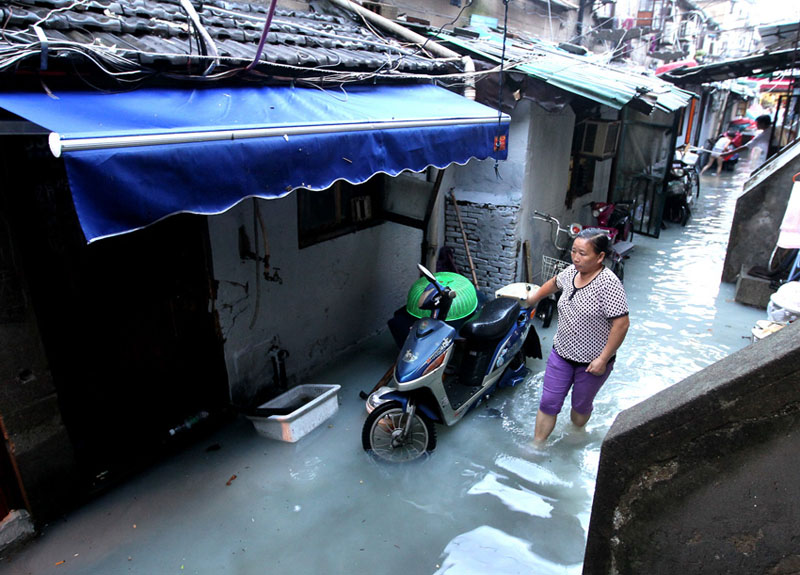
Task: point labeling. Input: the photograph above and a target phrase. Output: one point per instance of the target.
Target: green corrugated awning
(578, 75)
(737, 68)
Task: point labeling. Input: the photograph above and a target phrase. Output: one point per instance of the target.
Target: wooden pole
(526, 248)
(464, 237)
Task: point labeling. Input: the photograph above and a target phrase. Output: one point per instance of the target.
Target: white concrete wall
(547, 178)
(530, 18)
(333, 295)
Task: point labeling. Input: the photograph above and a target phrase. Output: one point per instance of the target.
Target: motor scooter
(442, 373)
(615, 216)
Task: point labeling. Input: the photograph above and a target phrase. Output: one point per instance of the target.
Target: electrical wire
(263, 39)
(118, 64)
(500, 92)
(466, 5)
(62, 9)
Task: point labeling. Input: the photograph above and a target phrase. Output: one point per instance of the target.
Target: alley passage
(484, 502)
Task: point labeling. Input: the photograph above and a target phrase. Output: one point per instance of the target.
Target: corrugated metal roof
(736, 68)
(580, 75)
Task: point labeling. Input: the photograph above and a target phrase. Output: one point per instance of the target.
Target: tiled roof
(143, 37)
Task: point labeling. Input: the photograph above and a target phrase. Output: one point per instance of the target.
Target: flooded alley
(483, 502)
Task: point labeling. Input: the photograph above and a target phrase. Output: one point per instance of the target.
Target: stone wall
(759, 212)
(703, 476)
(491, 232)
(45, 475)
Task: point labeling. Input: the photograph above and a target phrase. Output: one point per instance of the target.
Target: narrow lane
(484, 502)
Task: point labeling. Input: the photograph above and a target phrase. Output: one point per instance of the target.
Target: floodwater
(483, 503)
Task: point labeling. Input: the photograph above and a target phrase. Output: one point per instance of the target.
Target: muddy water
(484, 503)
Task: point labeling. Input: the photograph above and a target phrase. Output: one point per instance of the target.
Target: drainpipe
(579, 25)
(469, 79)
(406, 34)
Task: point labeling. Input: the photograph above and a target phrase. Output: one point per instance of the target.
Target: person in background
(592, 323)
(759, 145)
(720, 146)
(736, 141)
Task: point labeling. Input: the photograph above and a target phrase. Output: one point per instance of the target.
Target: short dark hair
(598, 238)
(764, 120)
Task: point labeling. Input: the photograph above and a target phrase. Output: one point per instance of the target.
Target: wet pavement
(484, 502)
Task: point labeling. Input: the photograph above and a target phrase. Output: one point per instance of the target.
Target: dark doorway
(127, 322)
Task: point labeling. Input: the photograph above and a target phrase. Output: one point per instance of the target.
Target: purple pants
(560, 375)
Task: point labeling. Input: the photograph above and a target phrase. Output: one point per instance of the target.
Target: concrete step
(753, 291)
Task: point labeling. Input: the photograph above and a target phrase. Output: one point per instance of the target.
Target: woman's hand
(619, 328)
(597, 367)
(547, 288)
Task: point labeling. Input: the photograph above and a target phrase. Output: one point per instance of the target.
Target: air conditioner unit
(599, 139)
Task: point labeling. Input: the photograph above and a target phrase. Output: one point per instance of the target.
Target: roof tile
(159, 34)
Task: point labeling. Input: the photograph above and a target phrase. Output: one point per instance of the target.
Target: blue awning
(134, 158)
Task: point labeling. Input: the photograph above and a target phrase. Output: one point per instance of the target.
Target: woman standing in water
(592, 323)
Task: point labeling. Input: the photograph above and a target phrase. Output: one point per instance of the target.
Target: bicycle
(551, 266)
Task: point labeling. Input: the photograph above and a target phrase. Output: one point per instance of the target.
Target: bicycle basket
(552, 267)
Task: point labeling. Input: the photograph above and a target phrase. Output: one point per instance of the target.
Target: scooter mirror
(430, 277)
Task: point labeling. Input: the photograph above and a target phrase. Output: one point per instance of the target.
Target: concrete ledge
(752, 290)
(15, 530)
(703, 477)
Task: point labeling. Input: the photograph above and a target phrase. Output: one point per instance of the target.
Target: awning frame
(59, 145)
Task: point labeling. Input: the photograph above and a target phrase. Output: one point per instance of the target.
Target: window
(341, 209)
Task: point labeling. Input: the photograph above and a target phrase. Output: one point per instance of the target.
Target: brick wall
(492, 238)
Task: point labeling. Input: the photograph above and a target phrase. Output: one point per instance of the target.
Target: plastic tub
(314, 405)
(784, 304)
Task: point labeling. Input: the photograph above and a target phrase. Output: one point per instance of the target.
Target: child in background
(720, 146)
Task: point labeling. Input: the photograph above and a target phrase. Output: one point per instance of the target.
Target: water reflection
(516, 499)
(488, 550)
(682, 320)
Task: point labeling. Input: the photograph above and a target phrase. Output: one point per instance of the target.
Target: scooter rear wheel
(383, 427)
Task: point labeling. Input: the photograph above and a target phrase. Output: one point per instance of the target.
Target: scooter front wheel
(385, 436)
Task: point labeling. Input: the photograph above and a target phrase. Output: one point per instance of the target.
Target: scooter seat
(493, 321)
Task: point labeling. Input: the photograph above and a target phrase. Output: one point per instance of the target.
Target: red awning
(675, 65)
(775, 86)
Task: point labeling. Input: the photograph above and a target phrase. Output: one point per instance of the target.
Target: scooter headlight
(374, 399)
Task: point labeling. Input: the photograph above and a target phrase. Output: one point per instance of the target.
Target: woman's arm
(548, 287)
(619, 328)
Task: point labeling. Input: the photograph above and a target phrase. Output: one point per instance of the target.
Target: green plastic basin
(465, 303)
